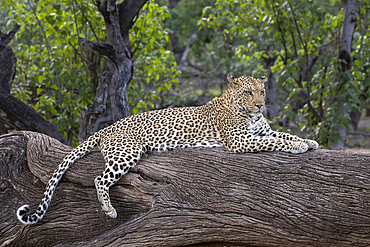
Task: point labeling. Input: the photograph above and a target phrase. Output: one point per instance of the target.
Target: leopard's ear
(263, 79)
(233, 83)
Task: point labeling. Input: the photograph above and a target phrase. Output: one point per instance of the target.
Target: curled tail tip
(24, 218)
(21, 212)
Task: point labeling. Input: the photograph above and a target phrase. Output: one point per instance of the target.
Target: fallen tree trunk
(195, 196)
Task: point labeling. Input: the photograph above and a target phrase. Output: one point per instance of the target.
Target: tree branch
(187, 49)
(6, 38)
(299, 33)
(87, 20)
(294, 45)
(41, 26)
(106, 50)
(126, 18)
(282, 37)
(118, 20)
(94, 110)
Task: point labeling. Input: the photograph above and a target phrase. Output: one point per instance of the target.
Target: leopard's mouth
(254, 110)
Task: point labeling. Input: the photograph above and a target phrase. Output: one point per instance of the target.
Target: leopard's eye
(262, 92)
(249, 93)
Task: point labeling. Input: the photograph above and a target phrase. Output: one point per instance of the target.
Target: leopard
(234, 120)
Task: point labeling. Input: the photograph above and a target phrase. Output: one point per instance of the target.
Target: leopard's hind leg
(119, 160)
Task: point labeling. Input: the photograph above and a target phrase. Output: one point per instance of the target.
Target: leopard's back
(167, 129)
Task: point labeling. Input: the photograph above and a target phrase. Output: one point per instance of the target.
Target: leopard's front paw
(298, 147)
(311, 144)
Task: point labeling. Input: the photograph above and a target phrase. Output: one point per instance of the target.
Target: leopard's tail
(75, 154)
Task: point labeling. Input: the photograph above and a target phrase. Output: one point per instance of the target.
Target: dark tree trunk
(271, 94)
(8, 61)
(118, 20)
(14, 114)
(204, 196)
(97, 107)
(118, 73)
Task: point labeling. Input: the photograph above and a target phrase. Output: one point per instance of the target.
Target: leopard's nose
(259, 106)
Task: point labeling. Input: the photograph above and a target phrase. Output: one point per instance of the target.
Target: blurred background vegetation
(182, 51)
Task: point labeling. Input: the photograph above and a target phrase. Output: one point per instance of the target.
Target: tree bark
(94, 110)
(195, 196)
(14, 114)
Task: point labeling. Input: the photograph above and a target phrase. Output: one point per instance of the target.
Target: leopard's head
(248, 93)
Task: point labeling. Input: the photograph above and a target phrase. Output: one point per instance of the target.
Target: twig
(6, 38)
(141, 36)
(282, 37)
(88, 22)
(187, 49)
(42, 28)
(299, 33)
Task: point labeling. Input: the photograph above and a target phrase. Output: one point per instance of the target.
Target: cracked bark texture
(195, 196)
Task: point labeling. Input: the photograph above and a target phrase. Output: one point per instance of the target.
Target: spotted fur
(234, 120)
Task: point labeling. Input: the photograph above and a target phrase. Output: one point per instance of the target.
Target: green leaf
(366, 82)
(291, 115)
(50, 19)
(341, 98)
(40, 78)
(57, 7)
(335, 138)
(55, 87)
(350, 128)
(39, 91)
(334, 127)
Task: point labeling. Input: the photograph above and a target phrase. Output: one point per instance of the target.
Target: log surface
(195, 196)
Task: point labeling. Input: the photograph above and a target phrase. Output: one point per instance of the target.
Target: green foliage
(156, 73)
(234, 36)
